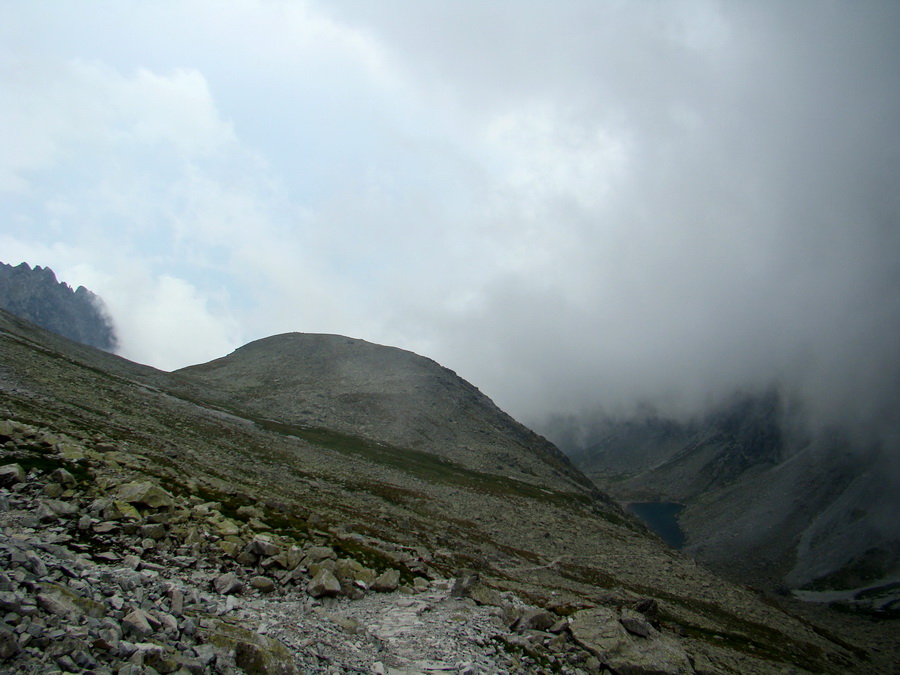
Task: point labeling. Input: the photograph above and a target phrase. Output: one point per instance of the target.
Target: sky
(576, 205)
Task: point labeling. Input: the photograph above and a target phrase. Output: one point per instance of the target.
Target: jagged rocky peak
(35, 294)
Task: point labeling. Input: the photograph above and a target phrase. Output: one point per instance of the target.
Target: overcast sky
(572, 204)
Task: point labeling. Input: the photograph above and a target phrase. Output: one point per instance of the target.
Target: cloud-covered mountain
(36, 295)
(768, 500)
(241, 474)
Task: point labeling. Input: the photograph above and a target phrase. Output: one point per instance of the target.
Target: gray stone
(10, 474)
(155, 531)
(262, 584)
(636, 623)
(387, 581)
(145, 493)
(228, 584)
(9, 645)
(137, 622)
(600, 632)
(261, 545)
(324, 584)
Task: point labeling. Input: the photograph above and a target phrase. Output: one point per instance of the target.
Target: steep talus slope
(385, 394)
(542, 537)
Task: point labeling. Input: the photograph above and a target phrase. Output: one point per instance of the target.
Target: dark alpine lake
(661, 518)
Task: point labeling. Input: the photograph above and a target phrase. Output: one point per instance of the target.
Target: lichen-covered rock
(253, 653)
(10, 474)
(600, 631)
(387, 581)
(137, 622)
(145, 493)
(262, 584)
(228, 584)
(9, 646)
(324, 584)
(63, 601)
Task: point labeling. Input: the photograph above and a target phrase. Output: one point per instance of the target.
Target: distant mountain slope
(36, 295)
(765, 504)
(385, 394)
(563, 549)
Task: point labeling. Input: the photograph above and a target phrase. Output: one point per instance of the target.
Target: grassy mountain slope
(541, 535)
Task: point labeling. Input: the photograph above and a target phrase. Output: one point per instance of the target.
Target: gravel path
(429, 632)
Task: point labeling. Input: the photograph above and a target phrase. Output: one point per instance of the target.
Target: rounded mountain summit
(384, 394)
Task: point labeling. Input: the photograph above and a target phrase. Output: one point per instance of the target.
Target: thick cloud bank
(574, 205)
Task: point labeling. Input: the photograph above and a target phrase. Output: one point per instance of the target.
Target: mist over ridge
(594, 206)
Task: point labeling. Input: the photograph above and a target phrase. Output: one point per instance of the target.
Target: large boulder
(145, 493)
(253, 653)
(600, 631)
(387, 581)
(324, 584)
(11, 474)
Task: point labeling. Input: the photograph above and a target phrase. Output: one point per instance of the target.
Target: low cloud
(594, 205)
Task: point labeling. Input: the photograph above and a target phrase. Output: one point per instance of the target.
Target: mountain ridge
(550, 546)
(35, 294)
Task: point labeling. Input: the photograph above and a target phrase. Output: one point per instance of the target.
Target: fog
(576, 206)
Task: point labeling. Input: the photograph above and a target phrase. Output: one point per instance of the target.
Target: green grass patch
(423, 465)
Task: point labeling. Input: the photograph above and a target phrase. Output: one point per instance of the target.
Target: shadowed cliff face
(36, 295)
(542, 538)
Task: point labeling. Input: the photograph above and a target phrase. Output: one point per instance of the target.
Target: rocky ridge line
(78, 314)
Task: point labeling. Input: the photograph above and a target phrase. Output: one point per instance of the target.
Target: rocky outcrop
(35, 295)
(627, 643)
